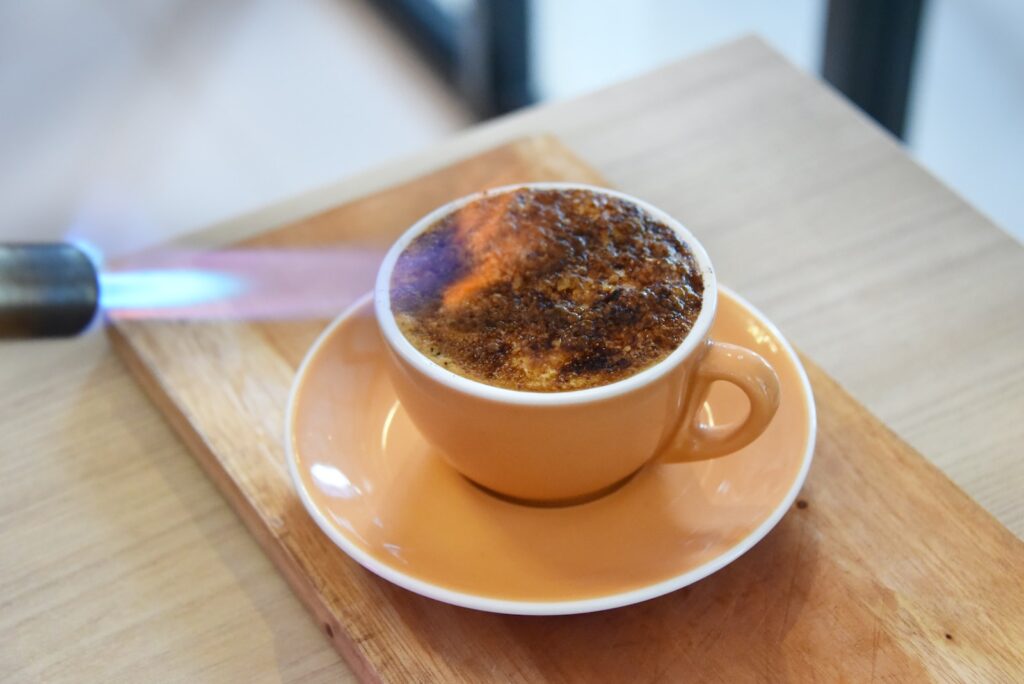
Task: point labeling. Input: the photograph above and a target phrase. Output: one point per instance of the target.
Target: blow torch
(59, 289)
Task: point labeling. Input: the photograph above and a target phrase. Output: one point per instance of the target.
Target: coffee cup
(570, 446)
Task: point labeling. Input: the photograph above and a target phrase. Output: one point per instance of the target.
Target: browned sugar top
(547, 290)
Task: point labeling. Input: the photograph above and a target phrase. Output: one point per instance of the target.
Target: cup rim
(398, 342)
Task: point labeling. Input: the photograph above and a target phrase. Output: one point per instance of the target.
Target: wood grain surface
(119, 561)
(865, 578)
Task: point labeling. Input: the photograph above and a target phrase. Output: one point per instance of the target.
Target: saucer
(373, 485)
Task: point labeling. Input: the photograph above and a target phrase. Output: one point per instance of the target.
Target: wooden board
(884, 569)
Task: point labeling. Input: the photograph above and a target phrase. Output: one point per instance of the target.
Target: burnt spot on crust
(547, 290)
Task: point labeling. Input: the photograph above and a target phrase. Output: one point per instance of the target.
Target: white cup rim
(413, 356)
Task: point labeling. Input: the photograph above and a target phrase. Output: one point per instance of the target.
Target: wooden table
(119, 560)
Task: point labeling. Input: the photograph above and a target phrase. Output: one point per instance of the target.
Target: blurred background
(154, 118)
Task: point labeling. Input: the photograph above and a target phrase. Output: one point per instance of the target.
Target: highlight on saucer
(547, 290)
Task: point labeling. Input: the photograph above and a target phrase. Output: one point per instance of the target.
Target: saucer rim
(568, 607)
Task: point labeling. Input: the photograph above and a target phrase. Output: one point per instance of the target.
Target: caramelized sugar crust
(547, 290)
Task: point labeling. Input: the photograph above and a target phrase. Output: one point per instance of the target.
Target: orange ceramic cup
(565, 446)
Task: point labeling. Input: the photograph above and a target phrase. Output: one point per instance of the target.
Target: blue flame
(161, 289)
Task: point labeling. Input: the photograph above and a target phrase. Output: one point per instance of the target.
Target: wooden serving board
(884, 569)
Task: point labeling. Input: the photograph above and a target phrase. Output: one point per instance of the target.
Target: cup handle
(747, 370)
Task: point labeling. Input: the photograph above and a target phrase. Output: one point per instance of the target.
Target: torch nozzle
(46, 290)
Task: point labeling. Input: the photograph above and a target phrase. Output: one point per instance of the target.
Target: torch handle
(46, 290)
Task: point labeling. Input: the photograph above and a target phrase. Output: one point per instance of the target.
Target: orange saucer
(373, 486)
